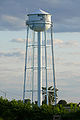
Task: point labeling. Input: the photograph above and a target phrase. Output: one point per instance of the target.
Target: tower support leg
(46, 69)
(39, 69)
(33, 68)
(53, 64)
(25, 66)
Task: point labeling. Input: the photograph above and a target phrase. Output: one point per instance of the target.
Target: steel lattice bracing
(39, 58)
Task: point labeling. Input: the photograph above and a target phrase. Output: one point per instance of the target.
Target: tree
(27, 101)
(50, 95)
(62, 102)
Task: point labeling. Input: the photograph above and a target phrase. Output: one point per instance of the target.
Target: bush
(62, 102)
(17, 110)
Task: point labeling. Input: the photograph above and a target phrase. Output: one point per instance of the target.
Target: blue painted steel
(33, 69)
(25, 65)
(53, 63)
(39, 69)
(46, 67)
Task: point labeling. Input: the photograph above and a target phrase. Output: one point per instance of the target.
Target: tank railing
(36, 22)
(33, 22)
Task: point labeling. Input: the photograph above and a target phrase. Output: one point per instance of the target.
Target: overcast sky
(66, 19)
(65, 13)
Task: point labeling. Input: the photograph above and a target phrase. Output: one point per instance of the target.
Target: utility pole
(3, 93)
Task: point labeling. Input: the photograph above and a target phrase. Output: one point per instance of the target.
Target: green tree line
(17, 110)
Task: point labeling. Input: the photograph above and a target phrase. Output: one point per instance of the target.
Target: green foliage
(56, 110)
(1, 118)
(17, 110)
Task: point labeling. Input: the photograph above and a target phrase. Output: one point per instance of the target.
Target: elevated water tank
(39, 20)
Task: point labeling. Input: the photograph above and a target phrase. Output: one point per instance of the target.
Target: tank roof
(39, 11)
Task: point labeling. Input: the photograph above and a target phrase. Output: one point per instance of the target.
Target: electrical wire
(8, 92)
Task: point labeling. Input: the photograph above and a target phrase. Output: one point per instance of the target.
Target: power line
(3, 93)
(7, 92)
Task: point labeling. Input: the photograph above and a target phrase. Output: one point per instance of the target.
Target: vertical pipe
(39, 70)
(46, 68)
(33, 68)
(25, 65)
(53, 64)
(5, 95)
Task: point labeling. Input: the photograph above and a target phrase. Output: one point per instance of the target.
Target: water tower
(39, 22)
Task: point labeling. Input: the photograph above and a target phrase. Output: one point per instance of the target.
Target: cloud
(10, 19)
(61, 43)
(11, 54)
(74, 64)
(12, 22)
(72, 43)
(18, 40)
(21, 40)
(75, 53)
(65, 14)
(58, 42)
